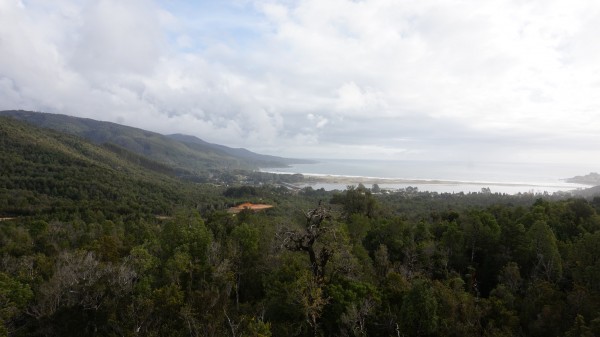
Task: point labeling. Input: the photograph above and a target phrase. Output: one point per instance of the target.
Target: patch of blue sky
(204, 23)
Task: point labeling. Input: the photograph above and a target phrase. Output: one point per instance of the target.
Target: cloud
(117, 38)
(353, 100)
(495, 80)
(319, 121)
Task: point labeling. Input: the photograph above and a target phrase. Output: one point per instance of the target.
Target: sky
(493, 80)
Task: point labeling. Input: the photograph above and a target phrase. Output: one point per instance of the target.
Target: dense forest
(96, 240)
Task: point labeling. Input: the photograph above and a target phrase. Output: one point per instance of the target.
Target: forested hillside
(182, 152)
(101, 241)
(46, 171)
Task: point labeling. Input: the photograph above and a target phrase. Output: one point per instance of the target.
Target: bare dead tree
(82, 280)
(305, 240)
(355, 318)
(233, 326)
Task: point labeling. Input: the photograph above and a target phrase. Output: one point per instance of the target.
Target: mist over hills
(181, 152)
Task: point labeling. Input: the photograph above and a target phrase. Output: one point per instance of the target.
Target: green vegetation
(108, 242)
(186, 154)
(44, 171)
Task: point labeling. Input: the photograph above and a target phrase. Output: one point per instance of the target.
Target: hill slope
(45, 170)
(592, 179)
(181, 152)
(255, 159)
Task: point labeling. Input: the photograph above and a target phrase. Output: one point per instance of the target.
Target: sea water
(456, 177)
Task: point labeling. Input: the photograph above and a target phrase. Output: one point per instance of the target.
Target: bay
(441, 176)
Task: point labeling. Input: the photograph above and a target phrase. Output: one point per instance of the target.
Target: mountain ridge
(238, 152)
(182, 152)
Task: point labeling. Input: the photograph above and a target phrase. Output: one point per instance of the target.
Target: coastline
(352, 180)
(442, 177)
(332, 182)
(313, 178)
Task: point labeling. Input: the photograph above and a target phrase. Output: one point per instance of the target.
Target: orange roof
(250, 206)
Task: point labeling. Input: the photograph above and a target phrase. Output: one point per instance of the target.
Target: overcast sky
(395, 79)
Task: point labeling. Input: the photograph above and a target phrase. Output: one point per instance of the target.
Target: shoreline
(333, 179)
(310, 178)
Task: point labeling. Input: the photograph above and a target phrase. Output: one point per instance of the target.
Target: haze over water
(465, 177)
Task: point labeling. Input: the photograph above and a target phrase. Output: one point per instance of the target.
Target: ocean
(510, 178)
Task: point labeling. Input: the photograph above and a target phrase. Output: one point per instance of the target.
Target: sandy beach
(348, 180)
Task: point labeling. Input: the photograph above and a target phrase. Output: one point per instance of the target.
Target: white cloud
(117, 38)
(353, 100)
(499, 80)
(319, 121)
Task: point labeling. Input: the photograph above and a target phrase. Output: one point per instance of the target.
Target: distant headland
(592, 179)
